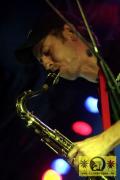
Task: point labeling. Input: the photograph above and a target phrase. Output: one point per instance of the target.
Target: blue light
(60, 166)
(91, 104)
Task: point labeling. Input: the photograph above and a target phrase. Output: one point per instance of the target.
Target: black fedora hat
(42, 26)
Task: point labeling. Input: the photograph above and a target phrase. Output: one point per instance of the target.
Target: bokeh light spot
(91, 104)
(60, 166)
(82, 128)
(51, 175)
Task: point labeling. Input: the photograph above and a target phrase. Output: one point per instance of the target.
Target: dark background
(22, 156)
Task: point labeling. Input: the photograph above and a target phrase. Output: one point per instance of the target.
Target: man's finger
(73, 152)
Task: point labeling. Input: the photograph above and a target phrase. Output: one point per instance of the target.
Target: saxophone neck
(52, 78)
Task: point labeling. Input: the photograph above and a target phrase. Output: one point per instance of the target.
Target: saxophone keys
(37, 131)
(29, 123)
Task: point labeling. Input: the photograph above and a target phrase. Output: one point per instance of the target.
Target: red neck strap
(105, 109)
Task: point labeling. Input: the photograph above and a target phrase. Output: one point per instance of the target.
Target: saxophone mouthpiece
(52, 79)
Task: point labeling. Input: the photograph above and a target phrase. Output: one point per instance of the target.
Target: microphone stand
(112, 86)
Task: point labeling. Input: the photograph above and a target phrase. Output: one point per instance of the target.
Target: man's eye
(46, 53)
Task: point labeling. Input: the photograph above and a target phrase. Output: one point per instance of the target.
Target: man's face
(68, 54)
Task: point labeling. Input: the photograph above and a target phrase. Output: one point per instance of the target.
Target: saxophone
(55, 140)
(52, 138)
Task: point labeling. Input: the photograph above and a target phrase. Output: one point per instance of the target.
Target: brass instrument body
(55, 140)
(52, 138)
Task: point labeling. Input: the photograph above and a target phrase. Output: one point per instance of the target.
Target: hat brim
(41, 28)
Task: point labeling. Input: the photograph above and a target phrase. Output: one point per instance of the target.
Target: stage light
(91, 104)
(60, 166)
(51, 175)
(82, 128)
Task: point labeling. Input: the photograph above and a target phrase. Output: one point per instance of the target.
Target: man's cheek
(68, 72)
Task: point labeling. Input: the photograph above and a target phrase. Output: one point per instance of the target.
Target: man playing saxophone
(57, 47)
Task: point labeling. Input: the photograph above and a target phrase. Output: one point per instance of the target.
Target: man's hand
(94, 146)
(99, 145)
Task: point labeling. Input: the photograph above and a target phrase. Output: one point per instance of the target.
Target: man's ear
(68, 33)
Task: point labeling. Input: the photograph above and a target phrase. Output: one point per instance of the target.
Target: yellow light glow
(51, 175)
